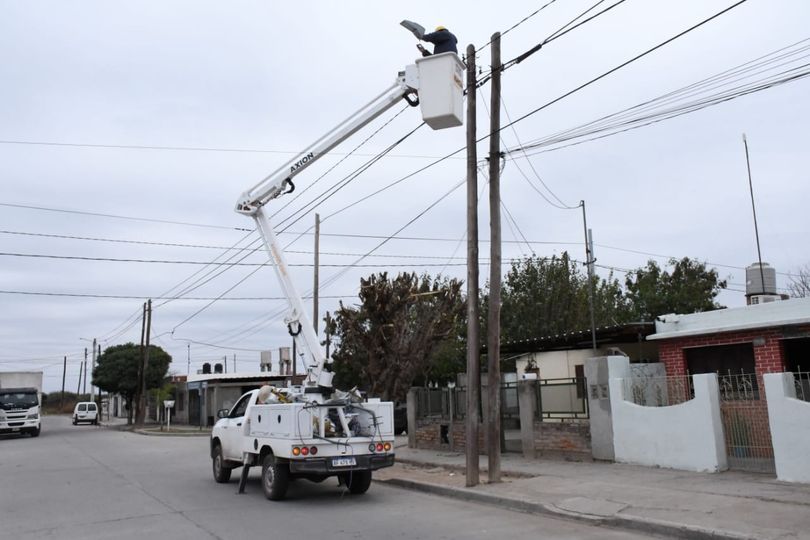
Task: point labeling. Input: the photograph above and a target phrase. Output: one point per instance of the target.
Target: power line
(523, 20)
(193, 149)
(653, 110)
(141, 297)
(623, 64)
(115, 216)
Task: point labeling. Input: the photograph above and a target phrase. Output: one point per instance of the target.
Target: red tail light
(304, 451)
(379, 447)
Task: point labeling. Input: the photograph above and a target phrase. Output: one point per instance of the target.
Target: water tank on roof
(284, 364)
(754, 276)
(217, 368)
(266, 361)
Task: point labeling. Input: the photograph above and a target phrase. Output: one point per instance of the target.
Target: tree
(116, 370)
(799, 286)
(689, 288)
(548, 296)
(387, 341)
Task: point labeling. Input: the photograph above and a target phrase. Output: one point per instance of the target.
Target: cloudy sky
(128, 129)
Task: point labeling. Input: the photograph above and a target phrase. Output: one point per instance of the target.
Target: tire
(275, 478)
(95, 422)
(357, 482)
(75, 422)
(34, 432)
(222, 473)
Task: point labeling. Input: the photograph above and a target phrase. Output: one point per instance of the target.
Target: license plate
(344, 462)
(15, 429)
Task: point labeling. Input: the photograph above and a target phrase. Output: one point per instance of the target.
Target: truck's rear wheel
(275, 478)
(222, 473)
(357, 482)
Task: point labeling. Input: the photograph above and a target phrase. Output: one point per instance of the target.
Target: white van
(85, 411)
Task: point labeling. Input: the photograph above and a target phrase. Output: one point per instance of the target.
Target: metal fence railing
(440, 403)
(555, 398)
(658, 391)
(801, 379)
(561, 398)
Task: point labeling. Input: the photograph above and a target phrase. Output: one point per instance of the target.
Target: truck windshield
(18, 400)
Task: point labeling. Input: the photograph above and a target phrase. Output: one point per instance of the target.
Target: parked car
(85, 411)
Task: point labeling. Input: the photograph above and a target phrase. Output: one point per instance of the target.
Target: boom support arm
(252, 203)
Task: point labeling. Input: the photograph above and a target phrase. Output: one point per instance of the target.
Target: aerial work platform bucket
(441, 90)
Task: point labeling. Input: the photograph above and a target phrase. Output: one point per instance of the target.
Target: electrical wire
(624, 64)
(115, 216)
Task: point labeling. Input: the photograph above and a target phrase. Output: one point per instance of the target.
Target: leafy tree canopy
(116, 370)
(548, 296)
(689, 288)
(390, 338)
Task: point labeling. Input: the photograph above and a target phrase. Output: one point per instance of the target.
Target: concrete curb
(151, 433)
(460, 468)
(619, 522)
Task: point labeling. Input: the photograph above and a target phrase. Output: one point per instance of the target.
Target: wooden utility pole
(589, 260)
(142, 401)
(84, 385)
(64, 372)
(317, 272)
(473, 324)
(494, 316)
(79, 386)
(137, 396)
(92, 367)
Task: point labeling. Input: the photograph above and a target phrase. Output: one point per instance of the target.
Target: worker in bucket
(443, 41)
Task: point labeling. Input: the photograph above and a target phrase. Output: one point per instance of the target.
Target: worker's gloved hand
(422, 50)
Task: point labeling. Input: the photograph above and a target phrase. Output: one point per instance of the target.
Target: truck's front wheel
(275, 478)
(221, 473)
(358, 482)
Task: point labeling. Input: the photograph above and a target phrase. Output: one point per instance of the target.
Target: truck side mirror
(222, 413)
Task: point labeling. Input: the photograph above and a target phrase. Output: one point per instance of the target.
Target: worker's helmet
(440, 27)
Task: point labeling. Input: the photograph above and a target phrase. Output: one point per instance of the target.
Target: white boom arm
(438, 80)
(252, 203)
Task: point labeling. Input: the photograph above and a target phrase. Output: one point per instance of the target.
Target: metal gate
(745, 422)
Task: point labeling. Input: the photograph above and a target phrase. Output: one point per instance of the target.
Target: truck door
(233, 429)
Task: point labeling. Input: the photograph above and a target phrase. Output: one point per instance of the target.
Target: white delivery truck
(20, 402)
(312, 431)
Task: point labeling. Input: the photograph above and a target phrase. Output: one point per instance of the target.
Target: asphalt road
(90, 482)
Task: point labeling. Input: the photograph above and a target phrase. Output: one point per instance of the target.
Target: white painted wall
(687, 436)
(790, 428)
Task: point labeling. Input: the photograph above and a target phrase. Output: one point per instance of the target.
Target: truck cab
(20, 411)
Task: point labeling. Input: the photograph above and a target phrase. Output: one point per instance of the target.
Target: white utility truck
(312, 431)
(21, 402)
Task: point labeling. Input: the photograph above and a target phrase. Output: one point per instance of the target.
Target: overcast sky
(129, 126)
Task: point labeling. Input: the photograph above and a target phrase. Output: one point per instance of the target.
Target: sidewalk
(733, 505)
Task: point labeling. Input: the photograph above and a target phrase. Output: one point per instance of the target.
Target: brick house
(759, 338)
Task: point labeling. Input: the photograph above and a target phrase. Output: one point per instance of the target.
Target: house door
(743, 407)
